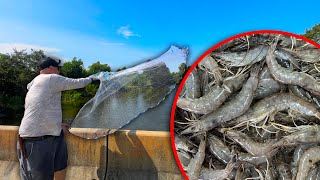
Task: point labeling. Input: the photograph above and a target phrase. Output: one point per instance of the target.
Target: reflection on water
(154, 119)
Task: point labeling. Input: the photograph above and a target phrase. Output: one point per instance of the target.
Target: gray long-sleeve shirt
(43, 114)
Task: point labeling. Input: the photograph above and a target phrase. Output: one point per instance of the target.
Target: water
(154, 119)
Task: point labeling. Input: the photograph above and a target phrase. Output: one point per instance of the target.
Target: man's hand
(96, 76)
(65, 128)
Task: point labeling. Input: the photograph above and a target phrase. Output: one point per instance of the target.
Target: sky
(126, 33)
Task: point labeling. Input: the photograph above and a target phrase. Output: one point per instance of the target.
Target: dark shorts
(43, 157)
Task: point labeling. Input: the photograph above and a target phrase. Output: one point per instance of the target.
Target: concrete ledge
(142, 155)
(122, 155)
(87, 158)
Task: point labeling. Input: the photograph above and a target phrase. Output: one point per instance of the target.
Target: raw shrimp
(278, 102)
(192, 85)
(218, 174)
(183, 143)
(287, 76)
(267, 85)
(193, 169)
(214, 98)
(307, 55)
(238, 59)
(210, 65)
(312, 173)
(308, 159)
(307, 135)
(219, 149)
(248, 144)
(284, 172)
(250, 160)
(230, 110)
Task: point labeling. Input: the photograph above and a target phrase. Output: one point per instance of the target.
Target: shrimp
(249, 160)
(238, 59)
(311, 55)
(287, 76)
(248, 144)
(193, 169)
(210, 65)
(184, 144)
(298, 91)
(230, 110)
(219, 149)
(284, 55)
(184, 158)
(284, 172)
(310, 134)
(218, 174)
(214, 98)
(275, 103)
(192, 85)
(308, 159)
(312, 173)
(267, 85)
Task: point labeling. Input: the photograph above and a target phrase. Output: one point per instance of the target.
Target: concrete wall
(122, 155)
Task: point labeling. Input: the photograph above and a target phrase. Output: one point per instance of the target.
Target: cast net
(123, 95)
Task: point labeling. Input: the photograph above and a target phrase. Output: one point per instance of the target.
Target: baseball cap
(50, 61)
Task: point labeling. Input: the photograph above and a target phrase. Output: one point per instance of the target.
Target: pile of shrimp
(251, 110)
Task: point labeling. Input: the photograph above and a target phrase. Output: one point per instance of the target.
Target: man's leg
(61, 158)
(39, 161)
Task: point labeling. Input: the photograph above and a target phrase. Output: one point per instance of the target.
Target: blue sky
(122, 33)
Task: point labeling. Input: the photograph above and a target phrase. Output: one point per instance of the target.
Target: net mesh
(123, 95)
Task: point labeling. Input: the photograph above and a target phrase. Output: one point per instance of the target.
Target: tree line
(19, 68)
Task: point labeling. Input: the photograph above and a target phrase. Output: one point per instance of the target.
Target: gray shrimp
(284, 171)
(298, 91)
(210, 65)
(243, 58)
(193, 169)
(311, 55)
(308, 159)
(184, 158)
(310, 134)
(312, 173)
(184, 144)
(267, 85)
(250, 160)
(192, 85)
(248, 144)
(220, 174)
(219, 149)
(230, 110)
(285, 55)
(296, 158)
(275, 103)
(214, 98)
(288, 76)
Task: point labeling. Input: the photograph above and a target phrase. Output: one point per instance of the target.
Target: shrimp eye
(310, 161)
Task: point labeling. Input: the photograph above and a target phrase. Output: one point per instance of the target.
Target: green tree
(97, 67)
(16, 71)
(120, 69)
(314, 33)
(74, 69)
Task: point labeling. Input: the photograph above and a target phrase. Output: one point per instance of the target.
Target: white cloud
(9, 47)
(126, 32)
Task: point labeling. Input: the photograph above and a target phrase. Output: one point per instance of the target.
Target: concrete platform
(122, 155)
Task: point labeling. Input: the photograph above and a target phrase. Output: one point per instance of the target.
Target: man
(42, 150)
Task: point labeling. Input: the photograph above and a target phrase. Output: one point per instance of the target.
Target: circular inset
(247, 108)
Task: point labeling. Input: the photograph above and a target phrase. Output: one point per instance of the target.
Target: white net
(123, 95)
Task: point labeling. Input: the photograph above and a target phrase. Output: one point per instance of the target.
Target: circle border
(196, 63)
